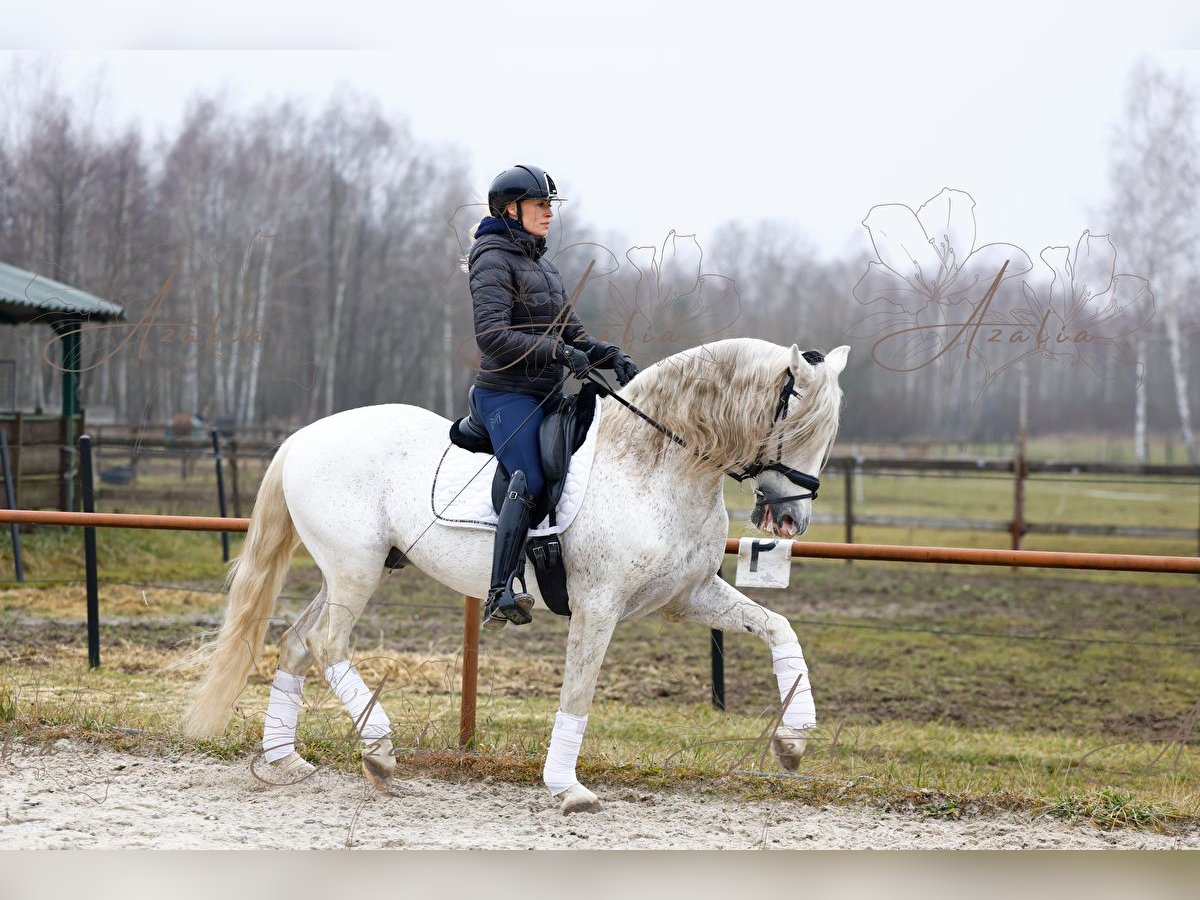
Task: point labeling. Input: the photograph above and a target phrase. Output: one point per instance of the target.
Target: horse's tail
(254, 580)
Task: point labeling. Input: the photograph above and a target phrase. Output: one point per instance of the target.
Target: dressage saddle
(562, 432)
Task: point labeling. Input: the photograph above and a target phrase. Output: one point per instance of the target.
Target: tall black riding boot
(503, 604)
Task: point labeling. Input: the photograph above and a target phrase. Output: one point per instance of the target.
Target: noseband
(810, 483)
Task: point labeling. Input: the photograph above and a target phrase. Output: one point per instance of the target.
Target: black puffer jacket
(521, 315)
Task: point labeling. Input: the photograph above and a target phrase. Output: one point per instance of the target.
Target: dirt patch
(81, 796)
(70, 600)
(985, 650)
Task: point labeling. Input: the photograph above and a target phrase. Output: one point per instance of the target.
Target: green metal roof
(27, 297)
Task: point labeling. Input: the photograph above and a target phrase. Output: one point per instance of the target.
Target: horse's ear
(836, 359)
(801, 367)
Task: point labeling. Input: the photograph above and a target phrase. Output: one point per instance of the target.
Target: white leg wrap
(565, 741)
(283, 711)
(348, 685)
(788, 661)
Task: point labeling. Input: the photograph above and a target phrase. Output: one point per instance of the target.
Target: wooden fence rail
(1021, 470)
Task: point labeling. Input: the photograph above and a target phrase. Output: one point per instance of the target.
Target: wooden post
(470, 672)
(849, 504)
(15, 441)
(1019, 472)
(68, 332)
(65, 465)
(10, 500)
(1018, 521)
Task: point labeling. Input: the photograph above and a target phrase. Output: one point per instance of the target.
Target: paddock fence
(175, 475)
(89, 520)
(1020, 473)
(195, 472)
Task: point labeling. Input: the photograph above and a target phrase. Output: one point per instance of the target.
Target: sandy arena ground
(79, 796)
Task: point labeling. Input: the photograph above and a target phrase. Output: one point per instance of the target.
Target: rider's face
(535, 216)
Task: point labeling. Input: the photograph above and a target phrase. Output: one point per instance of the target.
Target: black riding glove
(575, 360)
(624, 369)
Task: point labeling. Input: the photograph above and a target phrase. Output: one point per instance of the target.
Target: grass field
(941, 689)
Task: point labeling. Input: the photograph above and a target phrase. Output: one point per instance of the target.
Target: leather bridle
(811, 483)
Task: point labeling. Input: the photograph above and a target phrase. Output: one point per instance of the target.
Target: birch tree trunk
(1139, 404)
(249, 398)
(221, 375)
(448, 404)
(1176, 352)
(189, 396)
(1157, 186)
(331, 347)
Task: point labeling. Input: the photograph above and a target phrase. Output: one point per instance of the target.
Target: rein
(810, 483)
(607, 391)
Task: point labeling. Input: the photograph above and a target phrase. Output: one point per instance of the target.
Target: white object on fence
(763, 563)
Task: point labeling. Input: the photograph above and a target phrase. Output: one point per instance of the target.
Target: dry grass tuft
(70, 601)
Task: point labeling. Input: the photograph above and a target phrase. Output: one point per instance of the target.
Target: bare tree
(1156, 186)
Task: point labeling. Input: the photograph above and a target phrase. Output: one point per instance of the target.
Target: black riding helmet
(520, 183)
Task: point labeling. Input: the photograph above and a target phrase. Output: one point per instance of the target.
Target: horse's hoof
(576, 799)
(294, 765)
(789, 744)
(378, 764)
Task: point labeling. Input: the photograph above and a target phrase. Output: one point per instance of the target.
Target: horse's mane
(720, 399)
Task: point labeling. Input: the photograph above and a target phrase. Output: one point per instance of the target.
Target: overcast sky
(670, 115)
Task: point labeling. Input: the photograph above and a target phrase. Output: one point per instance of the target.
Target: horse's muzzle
(785, 520)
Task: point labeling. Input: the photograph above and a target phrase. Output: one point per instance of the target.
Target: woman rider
(526, 334)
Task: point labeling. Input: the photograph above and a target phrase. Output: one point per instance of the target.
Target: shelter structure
(42, 447)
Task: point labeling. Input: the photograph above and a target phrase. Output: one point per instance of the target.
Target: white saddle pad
(462, 487)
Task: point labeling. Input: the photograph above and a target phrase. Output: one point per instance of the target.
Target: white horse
(648, 537)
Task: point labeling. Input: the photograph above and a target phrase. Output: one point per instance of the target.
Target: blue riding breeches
(512, 420)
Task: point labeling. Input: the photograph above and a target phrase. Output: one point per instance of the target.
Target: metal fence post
(717, 647)
(216, 443)
(89, 554)
(233, 478)
(718, 669)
